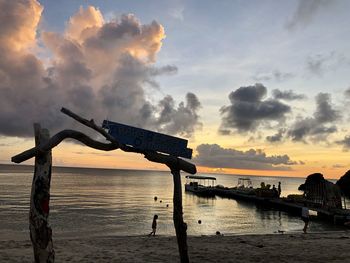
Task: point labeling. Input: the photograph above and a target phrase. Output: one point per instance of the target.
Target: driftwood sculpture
(40, 232)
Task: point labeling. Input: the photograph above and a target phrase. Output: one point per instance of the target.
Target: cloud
(316, 64)
(19, 20)
(305, 13)
(98, 69)
(248, 110)
(338, 166)
(178, 13)
(345, 142)
(276, 137)
(287, 95)
(275, 75)
(213, 155)
(320, 125)
(347, 93)
(184, 117)
(320, 64)
(93, 153)
(324, 111)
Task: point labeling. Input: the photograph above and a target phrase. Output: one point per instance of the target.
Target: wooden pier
(335, 215)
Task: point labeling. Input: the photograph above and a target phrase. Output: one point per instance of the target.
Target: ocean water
(87, 202)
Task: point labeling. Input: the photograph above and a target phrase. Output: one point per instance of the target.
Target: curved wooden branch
(57, 139)
(91, 123)
(171, 161)
(174, 163)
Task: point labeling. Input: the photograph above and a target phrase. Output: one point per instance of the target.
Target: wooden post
(40, 232)
(180, 225)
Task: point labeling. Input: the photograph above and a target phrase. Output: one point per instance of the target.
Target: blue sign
(148, 140)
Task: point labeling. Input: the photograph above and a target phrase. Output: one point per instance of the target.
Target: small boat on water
(200, 185)
(244, 186)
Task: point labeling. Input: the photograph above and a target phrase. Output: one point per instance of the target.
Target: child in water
(154, 225)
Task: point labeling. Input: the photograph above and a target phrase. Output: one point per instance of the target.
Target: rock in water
(344, 183)
(321, 192)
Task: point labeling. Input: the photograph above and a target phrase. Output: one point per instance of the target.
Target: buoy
(199, 221)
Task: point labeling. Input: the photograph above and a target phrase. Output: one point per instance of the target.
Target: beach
(287, 247)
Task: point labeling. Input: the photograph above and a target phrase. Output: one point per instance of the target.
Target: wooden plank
(148, 140)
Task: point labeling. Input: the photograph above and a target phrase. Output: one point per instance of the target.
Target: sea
(93, 202)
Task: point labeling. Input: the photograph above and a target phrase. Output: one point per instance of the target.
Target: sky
(257, 87)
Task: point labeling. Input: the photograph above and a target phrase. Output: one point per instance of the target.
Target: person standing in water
(154, 225)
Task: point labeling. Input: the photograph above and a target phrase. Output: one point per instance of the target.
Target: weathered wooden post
(180, 225)
(40, 232)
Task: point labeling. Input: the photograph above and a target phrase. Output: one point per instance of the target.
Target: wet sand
(288, 247)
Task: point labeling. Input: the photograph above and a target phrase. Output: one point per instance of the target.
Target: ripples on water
(121, 202)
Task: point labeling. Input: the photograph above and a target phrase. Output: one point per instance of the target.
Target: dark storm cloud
(276, 137)
(248, 110)
(181, 119)
(305, 13)
(318, 126)
(213, 155)
(324, 111)
(100, 70)
(345, 142)
(287, 95)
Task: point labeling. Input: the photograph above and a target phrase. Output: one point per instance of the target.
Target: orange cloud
(84, 24)
(19, 21)
(103, 68)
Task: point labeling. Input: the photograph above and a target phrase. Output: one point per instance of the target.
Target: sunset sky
(257, 87)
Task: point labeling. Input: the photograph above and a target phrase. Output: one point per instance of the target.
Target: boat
(200, 185)
(244, 186)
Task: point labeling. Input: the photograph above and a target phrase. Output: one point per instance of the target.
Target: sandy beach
(320, 247)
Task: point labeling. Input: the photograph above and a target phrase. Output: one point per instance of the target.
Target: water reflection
(122, 203)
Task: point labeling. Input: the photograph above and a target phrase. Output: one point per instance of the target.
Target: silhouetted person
(305, 216)
(275, 192)
(154, 225)
(279, 189)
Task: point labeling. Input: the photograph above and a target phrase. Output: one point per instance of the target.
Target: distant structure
(344, 183)
(321, 192)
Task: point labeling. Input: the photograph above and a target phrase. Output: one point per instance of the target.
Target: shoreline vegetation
(287, 247)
